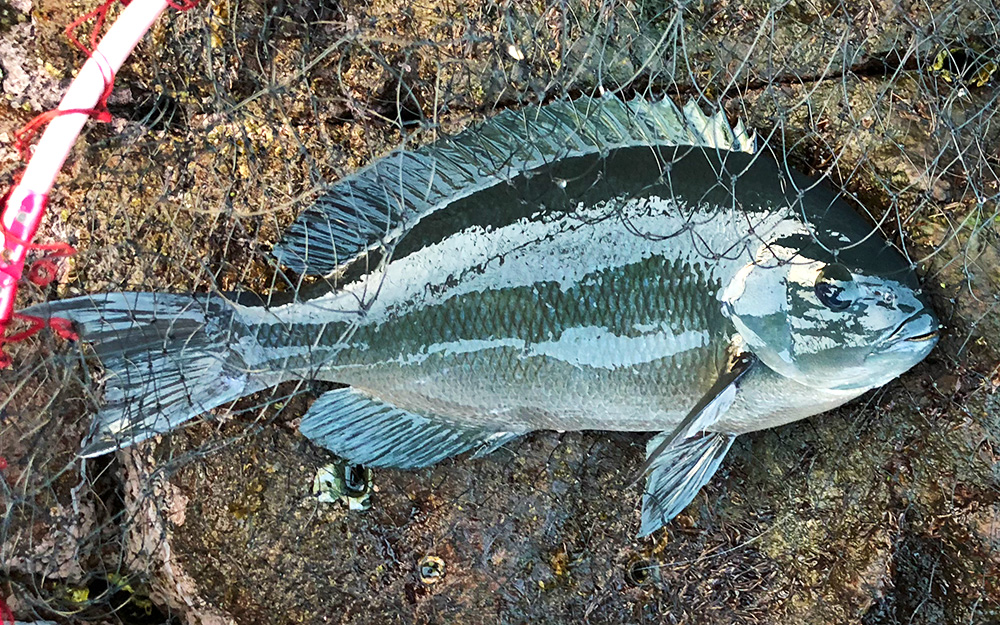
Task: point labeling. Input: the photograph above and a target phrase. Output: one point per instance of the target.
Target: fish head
(850, 320)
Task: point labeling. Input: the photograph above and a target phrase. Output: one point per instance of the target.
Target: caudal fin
(167, 358)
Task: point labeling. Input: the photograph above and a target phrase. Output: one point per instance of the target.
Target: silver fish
(594, 264)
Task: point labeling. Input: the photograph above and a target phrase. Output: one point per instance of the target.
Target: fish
(589, 264)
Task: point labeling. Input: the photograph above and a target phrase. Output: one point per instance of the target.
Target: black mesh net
(233, 117)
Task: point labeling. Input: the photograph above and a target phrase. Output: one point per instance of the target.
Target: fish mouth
(927, 336)
(922, 327)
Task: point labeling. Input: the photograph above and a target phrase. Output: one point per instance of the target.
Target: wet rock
(155, 510)
(882, 512)
(50, 513)
(29, 80)
(509, 543)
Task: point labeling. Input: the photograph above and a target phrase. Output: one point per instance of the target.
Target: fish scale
(617, 301)
(590, 264)
(627, 303)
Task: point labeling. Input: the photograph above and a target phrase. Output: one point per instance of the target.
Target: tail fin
(167, 358)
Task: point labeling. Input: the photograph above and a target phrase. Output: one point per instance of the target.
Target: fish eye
(835, 287)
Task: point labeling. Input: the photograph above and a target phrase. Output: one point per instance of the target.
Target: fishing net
(233, 117)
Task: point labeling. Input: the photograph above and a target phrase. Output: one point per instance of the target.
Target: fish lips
(918, 333)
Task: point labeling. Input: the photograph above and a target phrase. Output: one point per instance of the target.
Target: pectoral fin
(709, 408)
(678, 474)
(680, 462)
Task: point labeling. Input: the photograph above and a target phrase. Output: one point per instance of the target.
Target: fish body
(600, 309)
(638, 268)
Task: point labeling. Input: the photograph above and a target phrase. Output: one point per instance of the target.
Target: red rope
(6, 614)
(62, 327)
(100, 112)
(183, 6)
(101, 13)
(15, 245)
(23, 138)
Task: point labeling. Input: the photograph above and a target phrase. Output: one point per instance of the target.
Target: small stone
(515, 52)
(948, 384)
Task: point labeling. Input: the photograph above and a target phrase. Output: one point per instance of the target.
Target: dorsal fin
(379, 203)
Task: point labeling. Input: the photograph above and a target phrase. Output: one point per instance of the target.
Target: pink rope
(25, 203)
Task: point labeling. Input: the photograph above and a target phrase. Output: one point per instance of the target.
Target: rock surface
(885, 511)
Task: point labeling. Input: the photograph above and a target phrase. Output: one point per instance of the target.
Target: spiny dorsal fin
(382, 201)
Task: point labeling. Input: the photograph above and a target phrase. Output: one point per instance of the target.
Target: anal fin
(678, 473)
(367, 431)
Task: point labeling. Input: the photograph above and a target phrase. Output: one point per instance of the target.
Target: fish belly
(515, 388)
